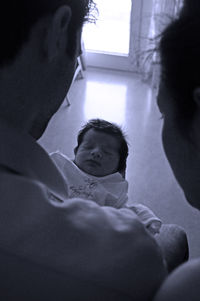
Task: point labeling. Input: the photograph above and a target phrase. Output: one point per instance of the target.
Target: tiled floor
(122, 98)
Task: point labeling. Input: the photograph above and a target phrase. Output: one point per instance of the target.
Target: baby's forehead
(102, 137)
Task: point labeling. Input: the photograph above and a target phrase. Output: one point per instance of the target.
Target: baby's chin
(92, 171)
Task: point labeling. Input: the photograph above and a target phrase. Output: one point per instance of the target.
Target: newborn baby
(97, 172)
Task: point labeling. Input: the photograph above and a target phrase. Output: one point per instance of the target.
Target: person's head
(18, 17)
(101, 148)
(40, 41)
(179, 98)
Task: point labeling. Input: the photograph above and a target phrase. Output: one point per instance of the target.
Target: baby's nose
(96, 153)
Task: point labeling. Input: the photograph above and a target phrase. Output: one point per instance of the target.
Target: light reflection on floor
(147, 108)
(106, 101)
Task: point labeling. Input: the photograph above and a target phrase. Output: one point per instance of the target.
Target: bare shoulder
(182, 284)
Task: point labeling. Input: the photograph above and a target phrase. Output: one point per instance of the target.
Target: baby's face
(98, 154)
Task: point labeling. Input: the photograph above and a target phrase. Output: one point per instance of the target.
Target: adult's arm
(182, 284)
(106, 251)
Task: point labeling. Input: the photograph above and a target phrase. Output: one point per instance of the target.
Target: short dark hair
(18, 17)
(179, 50)
(104, 126)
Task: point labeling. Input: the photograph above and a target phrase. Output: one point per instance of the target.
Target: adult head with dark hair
(179, 98)
(18, 17)
(104, 143)
(40, 42)
(179, 103)
(189, 8)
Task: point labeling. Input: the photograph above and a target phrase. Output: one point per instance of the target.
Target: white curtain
(163, 11)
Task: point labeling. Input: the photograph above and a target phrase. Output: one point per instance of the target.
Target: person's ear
(75, 150)
(57, 36)
(196, 96)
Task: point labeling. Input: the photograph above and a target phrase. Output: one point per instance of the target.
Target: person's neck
(194, 130)
(13, 124)
(15, 107)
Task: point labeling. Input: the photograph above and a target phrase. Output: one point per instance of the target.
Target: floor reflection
(106, 101)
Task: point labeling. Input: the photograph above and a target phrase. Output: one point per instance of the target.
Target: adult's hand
(174, 245)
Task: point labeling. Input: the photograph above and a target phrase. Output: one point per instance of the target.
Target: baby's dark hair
(104, 126)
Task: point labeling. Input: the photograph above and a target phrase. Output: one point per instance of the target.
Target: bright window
(111, 33)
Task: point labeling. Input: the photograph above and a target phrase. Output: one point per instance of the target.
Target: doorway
(110, 43)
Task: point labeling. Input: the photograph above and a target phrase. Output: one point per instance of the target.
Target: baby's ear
(196, 96)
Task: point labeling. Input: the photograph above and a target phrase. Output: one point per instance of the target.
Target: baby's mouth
(93, 162)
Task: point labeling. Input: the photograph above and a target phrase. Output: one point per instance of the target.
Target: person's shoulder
(17, 186)
(182, 284)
